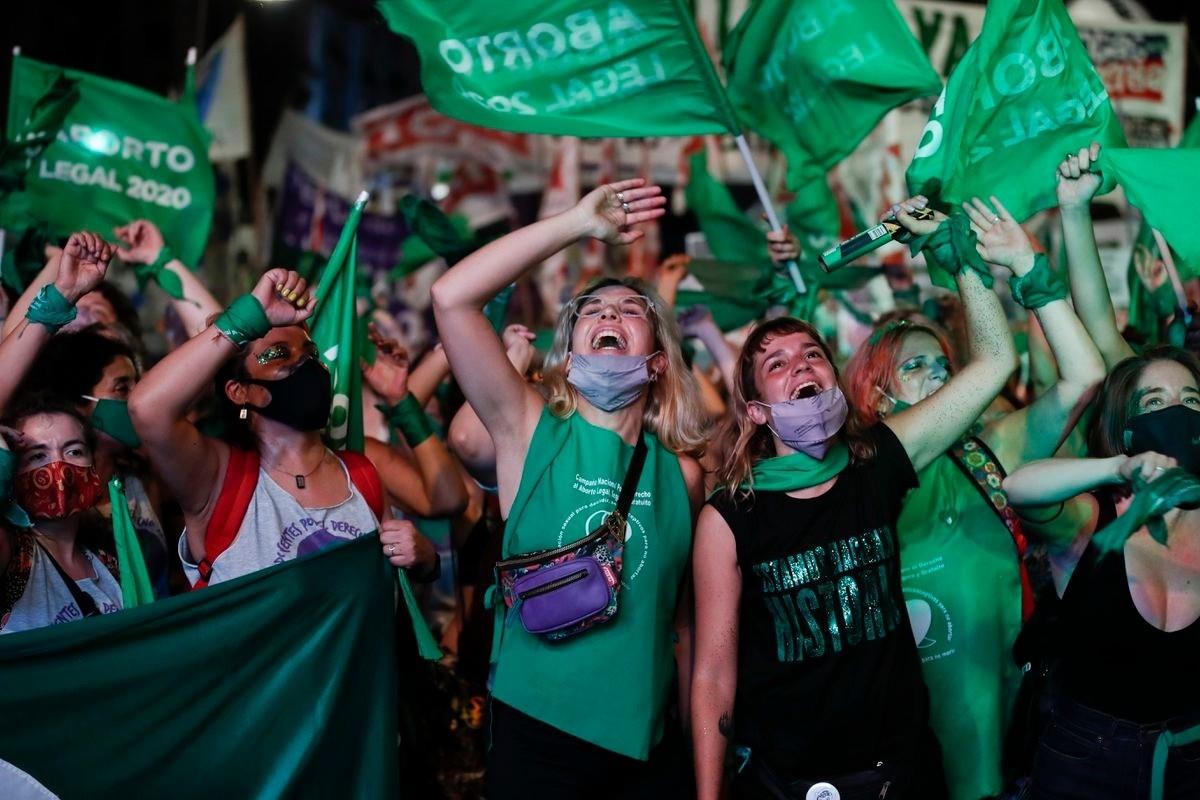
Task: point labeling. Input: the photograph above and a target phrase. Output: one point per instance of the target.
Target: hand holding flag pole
(1173, 273)
(768, 207)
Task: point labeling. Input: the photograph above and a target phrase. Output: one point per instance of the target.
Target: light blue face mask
(609, 382)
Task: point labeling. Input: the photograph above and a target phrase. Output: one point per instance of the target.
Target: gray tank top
(277, 528)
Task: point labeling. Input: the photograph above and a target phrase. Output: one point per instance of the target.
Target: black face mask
(301, 400)
(1173, 431)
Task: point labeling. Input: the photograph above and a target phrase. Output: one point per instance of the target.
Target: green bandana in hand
(1038, 287)
(951, 249)
(158, 273)
(799, 470)
(1175, 487)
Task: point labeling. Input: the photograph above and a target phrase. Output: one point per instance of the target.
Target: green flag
(281, 683)
(121, 153)
(566, 67)
(1023, 95)
(334, 329)
(815, 76)
(740, 246)
(135, 579)
(35, 133)
(1157, 181)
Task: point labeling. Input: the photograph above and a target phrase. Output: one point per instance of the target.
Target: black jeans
(530, 759)
(1087, 755)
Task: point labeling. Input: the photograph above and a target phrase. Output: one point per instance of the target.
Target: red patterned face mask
(57, 490)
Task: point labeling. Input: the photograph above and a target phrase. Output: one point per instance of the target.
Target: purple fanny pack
(565, 591)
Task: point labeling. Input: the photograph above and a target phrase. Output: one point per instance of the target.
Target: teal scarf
(800, 470)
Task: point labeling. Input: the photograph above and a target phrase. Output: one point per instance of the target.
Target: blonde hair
(745, 442)
(673, 412)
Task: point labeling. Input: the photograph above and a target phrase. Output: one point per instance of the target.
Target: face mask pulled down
(609, 382)
(808, 424)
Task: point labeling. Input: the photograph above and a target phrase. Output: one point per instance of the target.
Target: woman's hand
(609, 212)
(783, 246)
(1002, 240)
(388, 376)
(145, 242)
(404, 546)
(285, 297)
(1077, 184)
(1149, 466)
(83, 264)
(518, 344)
(903, 213)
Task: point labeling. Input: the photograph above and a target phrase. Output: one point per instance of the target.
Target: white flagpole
(765, 199)
(1169, 262)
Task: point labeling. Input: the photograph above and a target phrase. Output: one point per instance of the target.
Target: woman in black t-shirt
(800, 622)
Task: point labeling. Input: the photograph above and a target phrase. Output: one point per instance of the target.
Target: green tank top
(609, 684)
(962, 586)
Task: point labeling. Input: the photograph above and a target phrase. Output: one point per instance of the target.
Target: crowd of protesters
(680, 562)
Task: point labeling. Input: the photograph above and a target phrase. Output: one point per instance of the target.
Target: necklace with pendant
(300, 482)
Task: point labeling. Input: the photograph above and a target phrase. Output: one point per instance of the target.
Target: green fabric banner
(334, 329)
(1024, 94)
(280, 683)
(815, 76)
(567, 67)
(121, 153)
(1155, 181)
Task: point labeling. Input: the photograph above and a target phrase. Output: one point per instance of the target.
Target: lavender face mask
(808, 424)
(609, 382)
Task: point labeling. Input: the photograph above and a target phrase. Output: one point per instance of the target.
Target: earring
(242, 413)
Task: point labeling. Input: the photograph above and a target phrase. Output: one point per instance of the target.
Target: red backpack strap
(241, 479)
(366, 479)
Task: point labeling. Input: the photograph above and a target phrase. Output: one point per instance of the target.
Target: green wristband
(158, 273)
(244, 321)
(50, 308)
(950, 250)
(409, 418)
(1038, 287)
(9, 509)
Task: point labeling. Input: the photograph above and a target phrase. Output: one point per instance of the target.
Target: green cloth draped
(800, 470)
(136, 589)
(157, 272)
(9, 510)
(1038, 287)
(1174, 487)
(1154, 180)
(281, 683)
(951, 249)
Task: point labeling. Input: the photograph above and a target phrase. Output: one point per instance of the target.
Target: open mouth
(608, 340)
(805, 390)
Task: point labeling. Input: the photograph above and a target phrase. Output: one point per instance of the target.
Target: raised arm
(428, 374)
(718, 588)
(1037, 430)
(1077, 184)
(929, 427)
(48, 274)
(144, 249)
(190, 463)
(77, 270)
(433, 486)
(508, 407)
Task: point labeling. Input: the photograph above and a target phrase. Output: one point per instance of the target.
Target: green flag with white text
(815, 76)
(627, 68)
(334, 328)
(120, 153)
(1024, 94)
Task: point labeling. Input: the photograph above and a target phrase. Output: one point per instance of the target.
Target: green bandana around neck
(800, 470)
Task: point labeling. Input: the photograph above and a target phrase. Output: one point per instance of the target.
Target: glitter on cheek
(272, 353)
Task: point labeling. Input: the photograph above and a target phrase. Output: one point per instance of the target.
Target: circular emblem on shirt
(822, 791)
(932, 626)
(587, 518)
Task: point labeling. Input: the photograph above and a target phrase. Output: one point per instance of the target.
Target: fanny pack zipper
(558, 583)
(613, 519)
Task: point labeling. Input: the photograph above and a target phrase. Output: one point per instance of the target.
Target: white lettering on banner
(542, 41)
(175, 157)
(139, 188)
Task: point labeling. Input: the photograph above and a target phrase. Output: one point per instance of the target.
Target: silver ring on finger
(995, 218)
(391, 549)
(1160, 469)
(626, 207)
